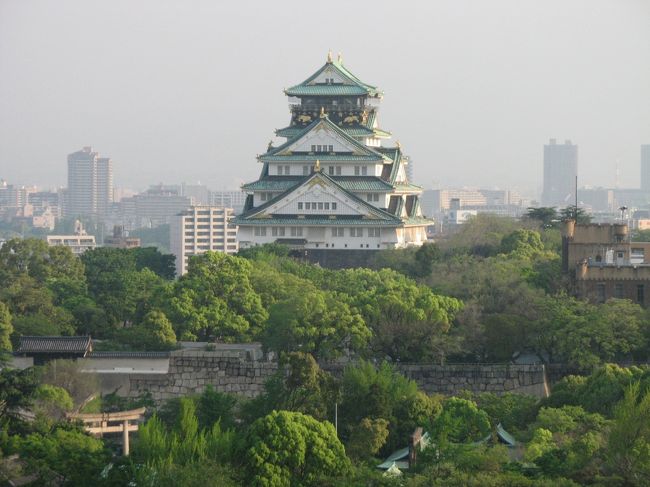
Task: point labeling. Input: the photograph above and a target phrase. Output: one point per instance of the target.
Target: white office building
(199, 229)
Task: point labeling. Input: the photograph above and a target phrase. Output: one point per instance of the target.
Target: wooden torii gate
(100, 423)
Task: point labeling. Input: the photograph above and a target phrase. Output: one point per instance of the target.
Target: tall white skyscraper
(90, 184)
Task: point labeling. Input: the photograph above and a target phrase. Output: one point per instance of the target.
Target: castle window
(287, 171)
(307, 206)
(277, 231)
(260, 231)
(331, 170)
(618, 291)
(374, 232)
(334, 206)
(331, 148)
(364, 170)
(337, 232)
(327, 206)
(279, 170)
(313, 148)
(300, 206)
(338, 170)
(357, 170)
(296, 231)
(320, 206)
(601, 296)
(356, 232)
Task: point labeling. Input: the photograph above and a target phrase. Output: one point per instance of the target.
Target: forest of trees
(490, 291)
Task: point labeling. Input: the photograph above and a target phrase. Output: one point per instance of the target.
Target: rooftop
(55, 344)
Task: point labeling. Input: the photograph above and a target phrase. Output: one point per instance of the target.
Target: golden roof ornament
(270, 146)
(340, 58)
(317, 166)
(322, 112)
(398, 144)
(329, 57)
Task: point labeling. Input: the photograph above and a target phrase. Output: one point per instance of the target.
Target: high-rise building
(199, 229)
(229, 199)
(645, 167)
(560, 172)
(90, 184)
(333, 187)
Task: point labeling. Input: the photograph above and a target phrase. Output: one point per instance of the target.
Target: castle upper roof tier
(333, 79)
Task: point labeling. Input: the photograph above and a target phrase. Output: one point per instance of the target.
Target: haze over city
(192, 91)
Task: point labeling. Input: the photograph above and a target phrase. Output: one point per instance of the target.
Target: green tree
(288, 448)
(155, 332)
(578, 214)
(525, 243)
(546, 216)
(151, 258)
(5, 328)
(461, 421)
(68, 375)
(628, 446)
(215, 299)
(69, 453)
(16, 391)
(367, 438)
(315, 322)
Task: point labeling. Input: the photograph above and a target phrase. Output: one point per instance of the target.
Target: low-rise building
(79, 242)
(199, 229)
(602, 262)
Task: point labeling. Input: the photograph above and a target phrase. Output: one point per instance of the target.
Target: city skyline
(162, 99)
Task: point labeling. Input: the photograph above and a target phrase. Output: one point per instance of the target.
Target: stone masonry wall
(240, 373)
(191, 371)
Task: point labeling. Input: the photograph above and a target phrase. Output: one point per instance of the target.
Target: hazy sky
(192, 90)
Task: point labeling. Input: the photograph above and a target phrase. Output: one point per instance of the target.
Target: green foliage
(151, 258)
(578, 214)
(460, 421)
(299, 386)
(316, 322)
(16, 391)
(513, 411)
(69, 453)
(525, 243)
(367, 438)
(541, 443)
(52, 402)
(215, 299)
(155, 332)
(374, 393)
(290, 448)
(628, 446)
(600, 391)
(5, 328)
(546, 216)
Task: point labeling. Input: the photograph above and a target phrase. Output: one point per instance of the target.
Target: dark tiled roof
(120, 354)
(55, 344)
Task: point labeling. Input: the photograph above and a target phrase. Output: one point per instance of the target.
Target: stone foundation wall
(452, 379)
(243, 373)
(191, 371)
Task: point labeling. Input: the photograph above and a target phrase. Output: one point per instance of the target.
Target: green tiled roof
(359, 131)
(326, 90)
(319, 221)
(321, 157)
(348, 183)
(323, 120)
(352, 86)
(408, 187)
(378, 213)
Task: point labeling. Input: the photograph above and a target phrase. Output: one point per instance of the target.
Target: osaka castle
(337, 184)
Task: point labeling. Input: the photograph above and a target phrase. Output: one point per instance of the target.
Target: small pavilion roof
(55, 344)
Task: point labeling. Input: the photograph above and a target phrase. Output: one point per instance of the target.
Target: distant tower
(645, 167)
(560, 172)
(90, 184)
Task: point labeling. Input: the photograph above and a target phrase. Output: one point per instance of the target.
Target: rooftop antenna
(618, 172)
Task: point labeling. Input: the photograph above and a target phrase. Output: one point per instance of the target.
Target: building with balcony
(335, 185)
(199, 229)
(78, 243)
(603, 263)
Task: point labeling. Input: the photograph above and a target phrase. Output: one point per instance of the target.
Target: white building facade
(200, 229)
